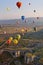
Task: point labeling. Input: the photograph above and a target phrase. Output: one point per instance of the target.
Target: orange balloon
(8, 41)
(18, 4)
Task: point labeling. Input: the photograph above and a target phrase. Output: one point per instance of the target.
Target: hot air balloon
(22, 30)
(29, 3)
(17, 22)
(4, 32)
(15, 41)
(23, 17)
(33, 21)
(18, 36)
(8, 42)
(8, 9)
(19, 4)
(26, 30)
(11, 38)
(35, 29)
(34, 11)
(37, 17)
(25, 21)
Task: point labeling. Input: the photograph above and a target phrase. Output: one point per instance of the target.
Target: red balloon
(8, 42)
(18, 4)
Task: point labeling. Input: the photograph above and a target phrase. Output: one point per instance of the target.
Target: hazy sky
(25, 10)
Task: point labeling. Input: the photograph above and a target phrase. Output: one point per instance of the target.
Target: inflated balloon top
(8, 42)
(18, 36)
(11, 38)
(19, 4)
(34, 11)
(37, 17)
(8, 9)
(22, 17)
(15, 41)
(29, 3)
(35, 29)
(22, 30)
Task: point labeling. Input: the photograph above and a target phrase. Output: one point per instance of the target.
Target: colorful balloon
(8, 42)
(15, 41)
(22, 30)
(23, 17)
(4, 32)
(18, 4)
(18, 36)
(8, 9)
(11, 38)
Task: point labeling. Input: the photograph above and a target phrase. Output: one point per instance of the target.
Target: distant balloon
(23, 17)
(33, 21)
(17, 22)
(37, 17)
(8, 9)
(15, 41)
(34, 11)
(25, 21)
(8, 42)
(4, 32)
(22, 30)
(35, 29)
(11, 38)
(19, 4)
(29, 3)
(18, 36)
(26, 30)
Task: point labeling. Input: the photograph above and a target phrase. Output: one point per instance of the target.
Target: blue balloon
(22, 17)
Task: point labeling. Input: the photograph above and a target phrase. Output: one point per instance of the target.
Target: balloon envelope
(29, 3)
(5, 32)
(18, 4)
(8, 41)
(18, 36)
(15, 41)
(34, 28)
(11, 38)
(37, 17)
(8, 9)
(22, 30)
(22, 17)
(34, 11)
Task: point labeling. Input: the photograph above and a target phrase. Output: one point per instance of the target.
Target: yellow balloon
(18, 36)
(22, 30)
(15, 41)
(8, 9)
(11, 38)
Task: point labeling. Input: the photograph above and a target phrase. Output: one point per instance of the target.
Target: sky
(26, 9)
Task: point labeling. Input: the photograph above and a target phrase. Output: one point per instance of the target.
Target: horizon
(19, 22)
(20, 18)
